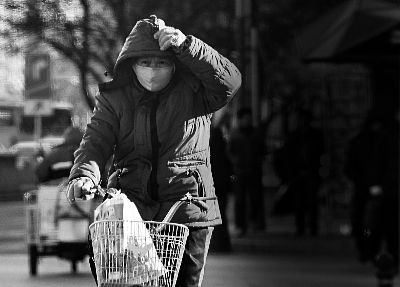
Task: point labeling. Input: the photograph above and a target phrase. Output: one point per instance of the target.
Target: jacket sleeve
(219, 77)
(98, 142)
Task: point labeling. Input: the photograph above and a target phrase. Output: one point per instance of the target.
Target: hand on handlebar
(82, 188)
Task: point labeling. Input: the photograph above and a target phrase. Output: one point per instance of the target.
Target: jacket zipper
(153, 185)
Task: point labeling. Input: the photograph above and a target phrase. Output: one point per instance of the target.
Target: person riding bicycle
(154, 118)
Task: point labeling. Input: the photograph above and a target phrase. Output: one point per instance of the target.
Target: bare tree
(89, 33)
(75, 29)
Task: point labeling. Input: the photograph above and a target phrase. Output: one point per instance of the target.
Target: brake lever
(201, 204)
(188, 198)
(105, 193)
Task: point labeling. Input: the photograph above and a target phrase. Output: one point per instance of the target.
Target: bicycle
(139, 253)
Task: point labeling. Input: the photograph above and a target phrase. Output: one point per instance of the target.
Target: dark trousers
(194, 257)
(305, 188)
(381, 228)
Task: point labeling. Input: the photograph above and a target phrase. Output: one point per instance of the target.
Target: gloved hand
(81, 187)
(169, 37)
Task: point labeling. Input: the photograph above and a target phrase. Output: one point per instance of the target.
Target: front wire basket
(137, 253)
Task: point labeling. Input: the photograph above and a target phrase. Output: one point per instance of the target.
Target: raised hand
(169, 37)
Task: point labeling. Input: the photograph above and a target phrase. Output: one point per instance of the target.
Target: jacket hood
(140, 42)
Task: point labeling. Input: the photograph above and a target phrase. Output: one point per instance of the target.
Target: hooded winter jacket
(159, 140)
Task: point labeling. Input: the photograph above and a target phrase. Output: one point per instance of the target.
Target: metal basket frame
(137, 253)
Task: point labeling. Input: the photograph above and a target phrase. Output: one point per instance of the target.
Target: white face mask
(154, 79)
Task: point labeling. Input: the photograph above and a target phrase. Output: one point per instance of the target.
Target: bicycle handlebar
(106, 193)
(188, 198)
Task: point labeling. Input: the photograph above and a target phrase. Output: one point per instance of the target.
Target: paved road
(269, 259)
(236, 270)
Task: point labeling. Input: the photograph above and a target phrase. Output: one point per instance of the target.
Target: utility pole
(247, 46)
(255, 97)
(241, 47)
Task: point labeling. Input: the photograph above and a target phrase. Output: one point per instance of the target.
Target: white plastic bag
(129, 244)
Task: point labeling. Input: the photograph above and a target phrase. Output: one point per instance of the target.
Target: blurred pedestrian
(299, 168)
(58, 162)
(222, 170)
(154, 117)
(372, 166)
(247, 150)
(361, 165)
